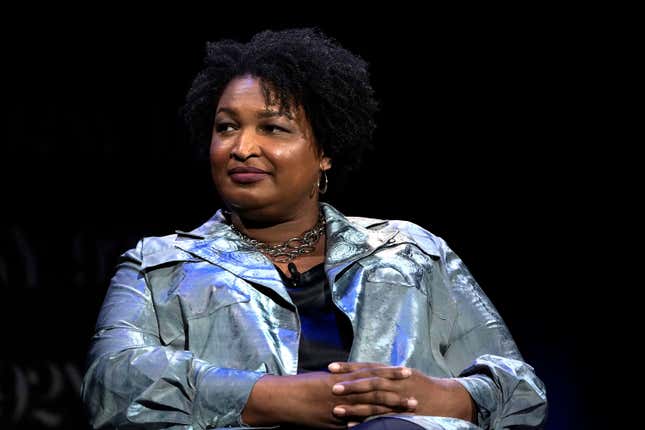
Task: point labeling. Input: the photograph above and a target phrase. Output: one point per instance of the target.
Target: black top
(326, 333)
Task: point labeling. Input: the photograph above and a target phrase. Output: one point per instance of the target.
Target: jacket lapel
(222, 247)
(349, 241)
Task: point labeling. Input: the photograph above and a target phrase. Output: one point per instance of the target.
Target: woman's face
(249, 134)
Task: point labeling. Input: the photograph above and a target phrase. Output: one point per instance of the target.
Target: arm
(132, 378)
(482, 352)
(309, 399)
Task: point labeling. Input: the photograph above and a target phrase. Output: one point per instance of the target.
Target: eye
(223, 126)
(271, 128)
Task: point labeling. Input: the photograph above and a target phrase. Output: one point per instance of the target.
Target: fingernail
(337, 389)
(412, 403)
(334, 367)
(351, 424)
(406, 372)
(339, 411)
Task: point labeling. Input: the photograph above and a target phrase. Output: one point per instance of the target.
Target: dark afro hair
(297, 67)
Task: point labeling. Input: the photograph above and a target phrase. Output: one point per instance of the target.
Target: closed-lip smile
(245, 169)
(247, 174)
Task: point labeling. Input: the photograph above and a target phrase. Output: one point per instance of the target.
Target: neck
(276, 229)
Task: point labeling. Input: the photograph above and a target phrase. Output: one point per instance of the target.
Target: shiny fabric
(192, 320)
(385, 423)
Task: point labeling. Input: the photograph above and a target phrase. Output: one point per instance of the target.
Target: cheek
(298, 165)
(218, 156)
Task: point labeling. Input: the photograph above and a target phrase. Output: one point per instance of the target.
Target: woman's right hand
(308, 400)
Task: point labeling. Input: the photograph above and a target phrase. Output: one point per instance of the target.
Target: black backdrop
(476, 142)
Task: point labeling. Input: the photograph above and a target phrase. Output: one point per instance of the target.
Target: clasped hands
(352, 392)
(374, 389)
(367, 389)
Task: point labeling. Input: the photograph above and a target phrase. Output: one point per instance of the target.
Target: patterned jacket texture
(192, 320)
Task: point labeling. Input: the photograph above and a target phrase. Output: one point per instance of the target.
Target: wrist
(265, 405)
(463, 405)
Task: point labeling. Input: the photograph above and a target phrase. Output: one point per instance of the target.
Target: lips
(245, 169)
(247, 174)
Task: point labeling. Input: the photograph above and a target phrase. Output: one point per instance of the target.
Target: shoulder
(405, 232)
(155, 250)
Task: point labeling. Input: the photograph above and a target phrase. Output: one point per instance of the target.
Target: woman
(280, 310)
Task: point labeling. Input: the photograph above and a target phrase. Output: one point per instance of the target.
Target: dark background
(486, 137)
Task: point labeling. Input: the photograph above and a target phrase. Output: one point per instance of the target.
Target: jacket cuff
(221, 395)
(482, 389)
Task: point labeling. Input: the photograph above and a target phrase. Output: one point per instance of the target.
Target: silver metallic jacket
(192, 320)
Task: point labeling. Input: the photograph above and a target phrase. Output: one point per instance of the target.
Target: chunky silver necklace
(292, 248)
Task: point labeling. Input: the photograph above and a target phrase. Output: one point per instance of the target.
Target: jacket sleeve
(134, 381)
(483, 354)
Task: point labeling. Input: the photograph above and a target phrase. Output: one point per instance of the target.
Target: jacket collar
(348, 240)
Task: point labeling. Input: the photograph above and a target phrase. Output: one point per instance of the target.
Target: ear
(325, 163)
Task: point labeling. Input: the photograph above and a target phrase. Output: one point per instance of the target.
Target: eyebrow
(260, 114)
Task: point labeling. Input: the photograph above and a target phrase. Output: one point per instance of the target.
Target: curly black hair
(296, 67)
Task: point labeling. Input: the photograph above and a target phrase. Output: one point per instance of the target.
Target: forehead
(245, 92)
(242, 86)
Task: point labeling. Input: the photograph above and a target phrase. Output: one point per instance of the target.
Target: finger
(360, 411)
(345, 366)
(351, 424)
(363, 385)
(389, 372)
(381, 378)
(383, 398)
(388, 399)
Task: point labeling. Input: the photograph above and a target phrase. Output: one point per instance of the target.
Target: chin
(245, 200)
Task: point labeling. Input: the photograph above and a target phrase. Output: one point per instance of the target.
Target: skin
(427, 395)
(284, 205)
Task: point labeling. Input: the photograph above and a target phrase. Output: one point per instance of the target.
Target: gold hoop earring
(323, 190)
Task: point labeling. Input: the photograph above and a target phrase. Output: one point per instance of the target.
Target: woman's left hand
(435, 396)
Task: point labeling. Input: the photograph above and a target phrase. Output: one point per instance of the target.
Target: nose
(246, 146)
